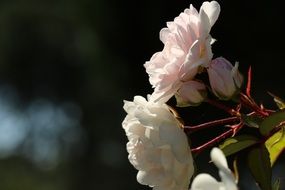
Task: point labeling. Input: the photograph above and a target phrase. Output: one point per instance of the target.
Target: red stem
(223, 107)
(233, 131)
(249, 103)
(248, 86)
(191, 129)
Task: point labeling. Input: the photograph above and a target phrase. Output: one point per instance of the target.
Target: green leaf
(279, 101)
(252, 120)
(275, 145)
(271, 122)
(259, 165)
(235, 144)
(276, 185)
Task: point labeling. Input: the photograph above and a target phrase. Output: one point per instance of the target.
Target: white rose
(157, 146)
(207, 182)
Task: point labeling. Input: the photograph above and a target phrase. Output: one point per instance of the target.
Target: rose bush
(157, 146)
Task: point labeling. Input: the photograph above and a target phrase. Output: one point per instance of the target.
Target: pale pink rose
(225, 79)
(157, 146)
(191, 93)
(187, 46)
(207, 182)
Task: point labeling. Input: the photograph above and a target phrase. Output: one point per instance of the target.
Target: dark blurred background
(66, 66)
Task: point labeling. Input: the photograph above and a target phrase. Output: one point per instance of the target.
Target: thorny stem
(245, 100)
(248, 86)
(249, 103)
(191, 129)
(229, 110)
(232, 131)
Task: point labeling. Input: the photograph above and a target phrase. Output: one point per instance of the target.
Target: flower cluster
(186, 53)
(158, 139)
(158, 146)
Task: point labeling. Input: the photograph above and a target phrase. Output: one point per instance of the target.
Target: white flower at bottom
(207, 182)
(157, 145)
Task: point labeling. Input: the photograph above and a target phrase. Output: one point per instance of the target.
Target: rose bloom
(157, 145)
(207, 182)
(187, 47)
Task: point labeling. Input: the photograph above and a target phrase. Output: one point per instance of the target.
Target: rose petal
(205, 182)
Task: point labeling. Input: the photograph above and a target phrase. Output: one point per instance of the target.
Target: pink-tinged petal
(191, 11)
(191, 93)
(194, 59)
(164, 94)
(163, 35)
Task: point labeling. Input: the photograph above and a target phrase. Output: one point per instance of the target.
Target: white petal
(219, 158)
(205, 25)
(205, 182)
(145, 178)
(155, 177)
(129, 106)
(228, 180)
(153, 136)
(167, 160)
(140, 100)
(178, 141)
(212, 9)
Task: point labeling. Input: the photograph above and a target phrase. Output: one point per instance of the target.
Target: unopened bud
(225, 79)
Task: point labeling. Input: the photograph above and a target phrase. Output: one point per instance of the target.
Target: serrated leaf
(275, 145)
(276, 185)
(271, 122)
(279, 101)
(235, 144)
(252, 120)
(259, 165)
